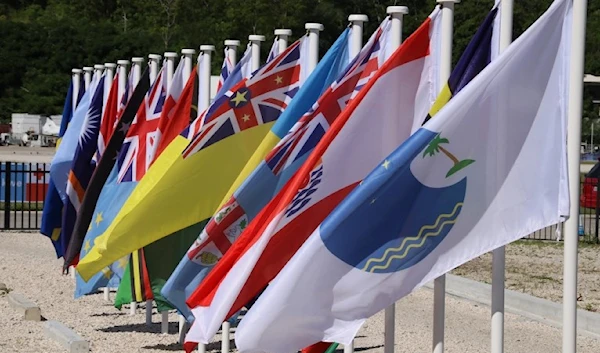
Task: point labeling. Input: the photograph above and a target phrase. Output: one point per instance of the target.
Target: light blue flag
(61, 163)
(114, 195)
(189, 273)
(53, 205)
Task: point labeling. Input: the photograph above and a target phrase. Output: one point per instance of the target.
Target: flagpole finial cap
(110, 65)
(358, 18)
(314, 27)
(88, 69)
(283, 32)
(229, 43)
(123, 62)
(137, 60)
(76, 71)
(400, 10)
(155, 57)
(188, 51)
(256, 38)
(170, 55)
(99, 67)
(207, 47)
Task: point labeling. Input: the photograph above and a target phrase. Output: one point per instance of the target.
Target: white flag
(485, 171)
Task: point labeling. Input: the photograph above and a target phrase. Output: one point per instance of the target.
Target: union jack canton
(257, 100)
(137, 152)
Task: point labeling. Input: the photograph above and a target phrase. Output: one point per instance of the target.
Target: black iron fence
(22, 194)
(24, 187)
(589, 212)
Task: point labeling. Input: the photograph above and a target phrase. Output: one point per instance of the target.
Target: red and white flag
(359, 138)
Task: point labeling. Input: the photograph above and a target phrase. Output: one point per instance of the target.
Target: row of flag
(313, 199)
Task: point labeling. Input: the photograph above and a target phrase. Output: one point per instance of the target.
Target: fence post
(7, 178)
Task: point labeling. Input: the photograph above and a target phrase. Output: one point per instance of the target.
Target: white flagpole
(87, 76)
(108, 80)
(122, 70)
(110, 69)
(396, 17)
(203, 102)
(255, 40)
(498, 255)
(231, 47)
(170, 58)
(355, 43)
(154, 63)
(98, 70)
(76, 79)
(204, 72)
(187, 55)
(313, 30)
(136, 67)
(439, 287)
(283, 35)
(573, 157)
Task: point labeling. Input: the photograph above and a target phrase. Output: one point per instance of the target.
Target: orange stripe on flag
(76, 185)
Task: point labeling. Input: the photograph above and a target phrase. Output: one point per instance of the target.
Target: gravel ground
(536, 268)
(28, 266)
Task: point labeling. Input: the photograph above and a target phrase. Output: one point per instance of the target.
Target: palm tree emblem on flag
(425, 214)
(435, 147)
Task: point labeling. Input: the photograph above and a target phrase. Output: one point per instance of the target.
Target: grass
(544, 278)
(586, 241)
(23, 206)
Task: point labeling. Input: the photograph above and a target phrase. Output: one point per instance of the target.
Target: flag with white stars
(281, 162)
(191, 176)
(371, 125)
(227, 223)
(131, 164)
(101, 173)
(83, 164)
(53, 204)
(60, 167)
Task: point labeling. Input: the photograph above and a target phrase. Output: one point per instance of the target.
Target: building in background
(34, 130)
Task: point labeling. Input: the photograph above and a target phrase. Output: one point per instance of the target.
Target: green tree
(43, 39)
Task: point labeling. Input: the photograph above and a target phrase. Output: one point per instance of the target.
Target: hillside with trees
(42, 40)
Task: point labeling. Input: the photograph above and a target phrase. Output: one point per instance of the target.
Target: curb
(67, 338)
(29, 309)
(542, 310)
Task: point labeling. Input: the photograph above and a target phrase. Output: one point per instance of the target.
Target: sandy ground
(536, 268)
(28, 266)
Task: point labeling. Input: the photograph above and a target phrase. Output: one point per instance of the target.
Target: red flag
(109, 119)
(180, 106)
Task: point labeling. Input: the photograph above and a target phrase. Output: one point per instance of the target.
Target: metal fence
(589, 210)
(22, 194)
(24, 187)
